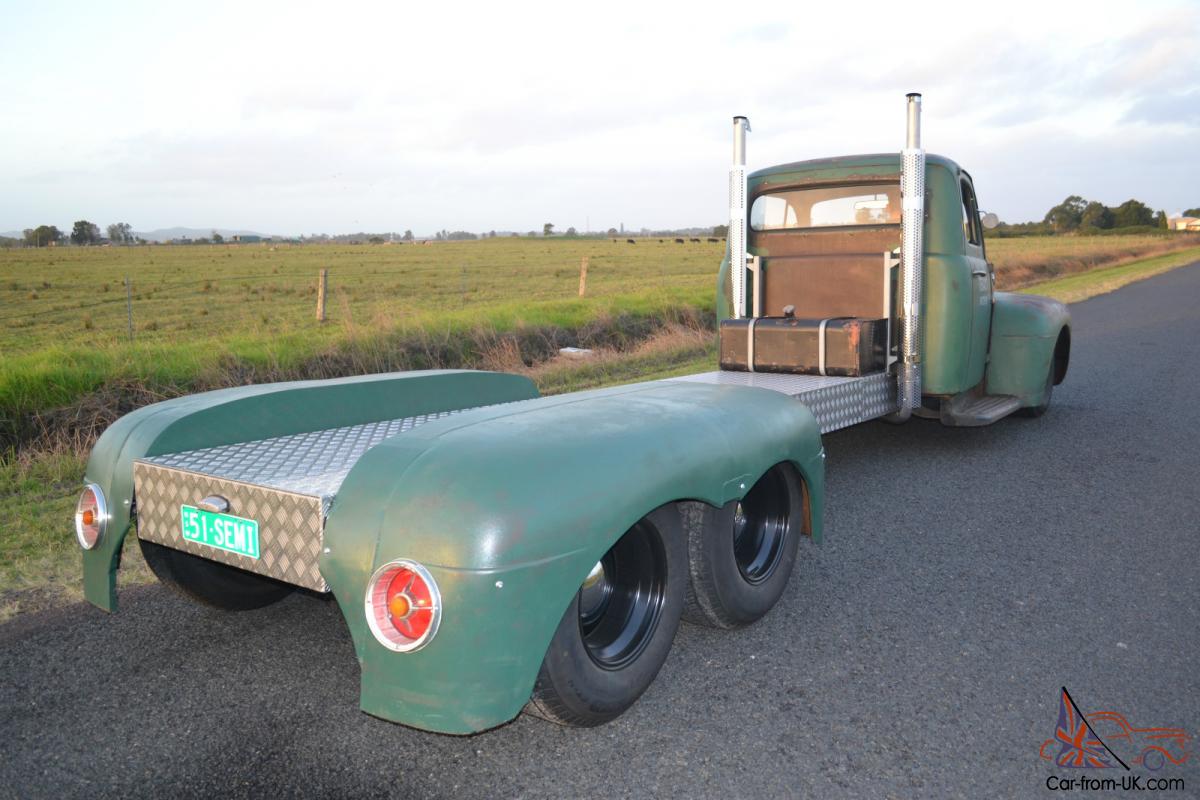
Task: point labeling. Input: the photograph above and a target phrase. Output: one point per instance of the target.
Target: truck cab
(824, 250)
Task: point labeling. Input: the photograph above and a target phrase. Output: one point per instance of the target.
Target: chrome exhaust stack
(912, 252)
(737, 216)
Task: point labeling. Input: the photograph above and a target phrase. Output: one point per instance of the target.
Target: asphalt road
(966, 576)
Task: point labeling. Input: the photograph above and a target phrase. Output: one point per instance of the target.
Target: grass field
(65, 297)
(73, 296)
(213, 316)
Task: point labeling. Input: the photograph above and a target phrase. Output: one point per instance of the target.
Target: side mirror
(989, 220)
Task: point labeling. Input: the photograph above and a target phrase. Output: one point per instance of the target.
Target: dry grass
(1021, 262)
(1081, 286)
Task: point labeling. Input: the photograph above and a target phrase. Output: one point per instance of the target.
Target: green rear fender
(510, 508)
(247, 413)
(1026, 330)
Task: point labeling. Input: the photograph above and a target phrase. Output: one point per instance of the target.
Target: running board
(972, 411)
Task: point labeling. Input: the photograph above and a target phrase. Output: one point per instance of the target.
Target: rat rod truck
(493, 551)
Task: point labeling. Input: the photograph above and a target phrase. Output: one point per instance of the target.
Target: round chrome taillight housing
(91, 516)
(403, 606)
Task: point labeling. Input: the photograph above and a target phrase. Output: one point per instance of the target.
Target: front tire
(1040, 408)
(618, 629)
(209, 583)
(742, 555)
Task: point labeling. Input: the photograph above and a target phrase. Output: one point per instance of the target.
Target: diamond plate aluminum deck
(835, 402)
(290, 525)
(287, 484)
(305, 463)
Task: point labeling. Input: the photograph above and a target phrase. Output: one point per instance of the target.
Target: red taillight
(91, 516)
(403, 606)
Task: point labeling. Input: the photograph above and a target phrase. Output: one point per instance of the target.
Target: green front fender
(1025, 331)
(509, 508)
(247, 413)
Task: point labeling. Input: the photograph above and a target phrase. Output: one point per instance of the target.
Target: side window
(972, 231)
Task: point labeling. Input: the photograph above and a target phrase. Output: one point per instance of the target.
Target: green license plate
(222, 531)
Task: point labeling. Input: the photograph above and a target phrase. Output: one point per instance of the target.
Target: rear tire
(209, 583)
(742, 555)
(618, 629)
(1040, 408)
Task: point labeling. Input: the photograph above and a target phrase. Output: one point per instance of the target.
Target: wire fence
(155, 306)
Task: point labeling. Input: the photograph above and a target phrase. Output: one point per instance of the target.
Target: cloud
(1167, 107)
(427, 116)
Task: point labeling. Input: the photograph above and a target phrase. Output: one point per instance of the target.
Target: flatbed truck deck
(493, 551)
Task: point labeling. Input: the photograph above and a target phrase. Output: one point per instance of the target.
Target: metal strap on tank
(821, 346)
(750, 344)
(821, 342)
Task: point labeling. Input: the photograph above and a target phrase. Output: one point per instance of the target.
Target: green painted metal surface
(1025, 330)
(948, 310)
(510, 508)
(247, 413)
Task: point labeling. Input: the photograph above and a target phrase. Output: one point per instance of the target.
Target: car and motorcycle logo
(1098, 741)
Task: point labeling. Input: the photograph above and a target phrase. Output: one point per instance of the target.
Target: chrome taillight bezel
(375, 607)
(101, 516)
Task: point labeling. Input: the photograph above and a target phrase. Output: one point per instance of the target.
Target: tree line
(82, 233)
(1091, 217)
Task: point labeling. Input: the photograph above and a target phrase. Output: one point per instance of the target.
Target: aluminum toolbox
(842, 346)
(286, 484)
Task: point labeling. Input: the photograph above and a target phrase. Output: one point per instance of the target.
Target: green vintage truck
(493, 551)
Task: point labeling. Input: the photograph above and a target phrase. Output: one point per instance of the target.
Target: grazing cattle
(697, 241)
(660, 241)
(630, 241)
(679, 241)
(713, 239)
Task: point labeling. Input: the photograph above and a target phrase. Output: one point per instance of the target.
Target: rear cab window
(827, 207)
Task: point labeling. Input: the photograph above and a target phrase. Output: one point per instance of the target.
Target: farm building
(1184, 223)
(246, 238)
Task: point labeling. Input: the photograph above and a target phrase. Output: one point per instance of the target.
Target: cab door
(982, 281)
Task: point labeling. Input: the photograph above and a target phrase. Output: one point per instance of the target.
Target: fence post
(583, 265)
(129, 305)
(321, 283)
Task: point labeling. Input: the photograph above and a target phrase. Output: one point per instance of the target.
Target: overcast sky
(294, 118)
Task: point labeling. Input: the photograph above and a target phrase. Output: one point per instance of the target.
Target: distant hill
(167, 234)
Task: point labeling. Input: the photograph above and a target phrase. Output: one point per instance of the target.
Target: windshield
(827, 206)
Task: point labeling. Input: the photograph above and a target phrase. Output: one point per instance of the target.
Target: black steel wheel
(209, 583)
(742, 555)
(621, 601)
(618, 629)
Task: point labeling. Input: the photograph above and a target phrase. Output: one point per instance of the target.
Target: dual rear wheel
(724, 567)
